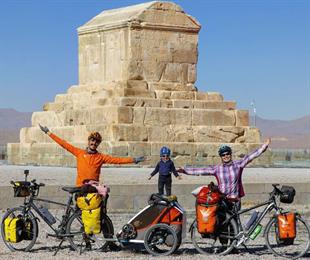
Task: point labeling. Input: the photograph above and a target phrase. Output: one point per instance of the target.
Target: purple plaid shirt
(229, 176)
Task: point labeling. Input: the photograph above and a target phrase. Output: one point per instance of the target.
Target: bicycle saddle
(71, 189)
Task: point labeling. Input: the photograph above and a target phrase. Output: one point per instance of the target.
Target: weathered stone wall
(137, 69)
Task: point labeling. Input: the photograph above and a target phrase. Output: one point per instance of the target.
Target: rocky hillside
(10, 123)
(294, 134)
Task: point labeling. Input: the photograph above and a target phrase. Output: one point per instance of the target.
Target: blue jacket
(165, 168)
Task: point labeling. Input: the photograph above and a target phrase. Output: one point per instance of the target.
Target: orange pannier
(287, 226)
(209, 195)
(206, 218)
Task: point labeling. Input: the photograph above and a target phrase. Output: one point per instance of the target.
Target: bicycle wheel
(161, 240)
(28, 231)
(221, 243)
(290, 249)
(94, 242)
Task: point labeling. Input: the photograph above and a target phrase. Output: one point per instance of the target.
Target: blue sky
(248, 50)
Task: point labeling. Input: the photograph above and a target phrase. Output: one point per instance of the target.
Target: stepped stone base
(139, 93)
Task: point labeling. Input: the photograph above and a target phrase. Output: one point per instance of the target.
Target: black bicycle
(232, 233)
(69, 228)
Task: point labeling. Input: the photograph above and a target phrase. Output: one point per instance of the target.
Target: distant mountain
(294, 134)
(11, 121)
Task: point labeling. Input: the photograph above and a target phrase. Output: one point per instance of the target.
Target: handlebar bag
(92, 221)
(288, 194)
(13, 229)
(21, 188)
(287, 226)
(206, 218)
(89, 201)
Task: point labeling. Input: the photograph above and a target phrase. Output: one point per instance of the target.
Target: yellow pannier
(13, 229)
(92, 221)
(89, 201)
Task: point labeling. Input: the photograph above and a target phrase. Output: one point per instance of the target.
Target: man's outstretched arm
(70, 148)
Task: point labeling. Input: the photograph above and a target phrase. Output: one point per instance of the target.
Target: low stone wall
(131, 198)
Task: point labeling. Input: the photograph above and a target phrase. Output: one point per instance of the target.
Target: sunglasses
(165, 156)
(224, 154)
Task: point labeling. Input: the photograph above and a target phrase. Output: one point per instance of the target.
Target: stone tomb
(137, 69)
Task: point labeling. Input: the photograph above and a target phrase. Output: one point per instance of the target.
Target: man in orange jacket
(89, 160)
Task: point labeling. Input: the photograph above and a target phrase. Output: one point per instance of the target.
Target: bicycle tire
(32, 234)
(97, 241)
(296, 248)
(220, 243)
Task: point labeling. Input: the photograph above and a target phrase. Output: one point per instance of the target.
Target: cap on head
(224, 149)
(96, 136)
(165, 151)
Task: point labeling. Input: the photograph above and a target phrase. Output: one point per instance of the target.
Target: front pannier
(21, 188)
(288, 194)
(13, 229)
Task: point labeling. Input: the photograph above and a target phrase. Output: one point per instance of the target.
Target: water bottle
(251, 221)
(256, 231)
(47, 215)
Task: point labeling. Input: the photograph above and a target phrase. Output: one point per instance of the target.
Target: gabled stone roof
(166, 15)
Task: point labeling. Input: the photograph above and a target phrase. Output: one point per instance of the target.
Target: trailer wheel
(161, 240)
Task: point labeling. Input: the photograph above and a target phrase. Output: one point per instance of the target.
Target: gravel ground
(45, 247)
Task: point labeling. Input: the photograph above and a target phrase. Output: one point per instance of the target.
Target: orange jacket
(89, 165)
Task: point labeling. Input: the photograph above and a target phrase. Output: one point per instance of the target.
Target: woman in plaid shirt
(229, 172)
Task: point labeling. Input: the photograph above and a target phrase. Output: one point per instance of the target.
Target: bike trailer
(89, 201)
(92, 221)
(287, 226)
(13, 229)
(161, 210)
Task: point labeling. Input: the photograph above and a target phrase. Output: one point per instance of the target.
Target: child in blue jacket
(165, 166)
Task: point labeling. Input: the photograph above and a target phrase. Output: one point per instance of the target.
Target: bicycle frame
(30, 204)
(269, 206)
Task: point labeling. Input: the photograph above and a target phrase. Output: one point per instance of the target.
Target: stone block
(161, 94)
(48, 118)
(138, 102)
(123, 132)
(192, 73)
(139, 149)
(166, 103)
(217, 134)
(242, 117)
(183, 104)
(170, 86)
(209, 96)
(189, 95)
(213, 117)
(139, 115)
(175, 72)
(227, 105)
(251, 135)
(57, 107)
